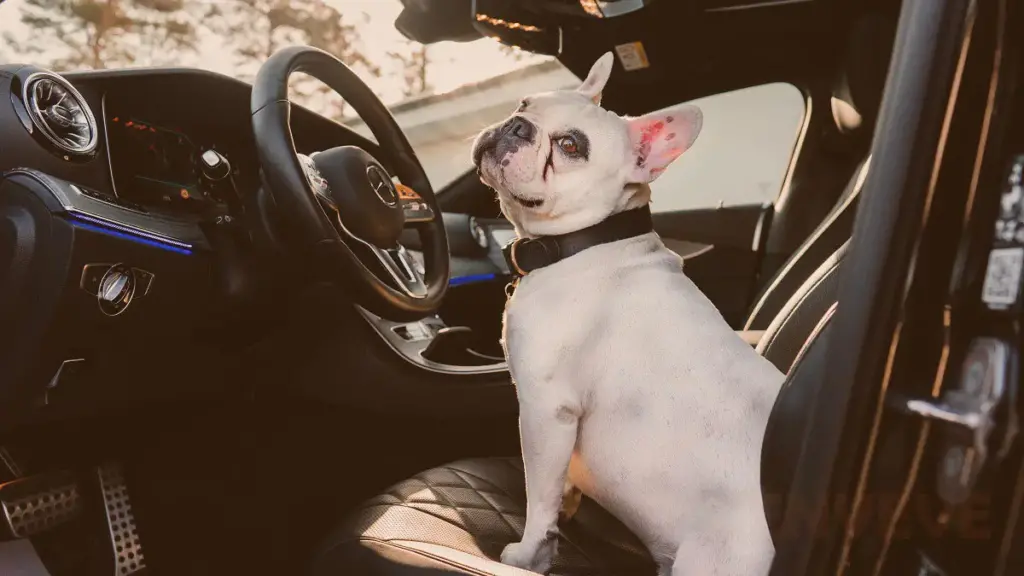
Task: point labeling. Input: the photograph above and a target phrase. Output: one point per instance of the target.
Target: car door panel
(722, 250)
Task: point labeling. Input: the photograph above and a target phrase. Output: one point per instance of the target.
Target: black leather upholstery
(457, 519)
(788, 421)
(858, 91)
(786, 335)
(833, 231)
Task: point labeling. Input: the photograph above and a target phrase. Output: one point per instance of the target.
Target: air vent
(60, 114)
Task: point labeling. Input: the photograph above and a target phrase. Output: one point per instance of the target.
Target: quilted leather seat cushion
(457, 518)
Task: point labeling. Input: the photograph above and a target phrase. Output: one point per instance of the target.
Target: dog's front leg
(548, 431)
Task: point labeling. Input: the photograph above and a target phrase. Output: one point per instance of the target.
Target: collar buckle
(509, 251)
(525, 255)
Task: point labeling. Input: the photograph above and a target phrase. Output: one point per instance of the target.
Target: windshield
(235, 37)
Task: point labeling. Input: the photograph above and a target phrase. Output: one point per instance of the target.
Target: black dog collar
(525, 255)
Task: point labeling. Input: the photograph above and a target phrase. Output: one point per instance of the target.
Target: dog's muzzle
(505, 139)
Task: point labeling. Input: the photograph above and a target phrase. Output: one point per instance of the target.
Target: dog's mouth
(525, 202)
(478, 156)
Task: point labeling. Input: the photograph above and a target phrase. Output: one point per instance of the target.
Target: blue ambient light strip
(96, 225)
(471, 279)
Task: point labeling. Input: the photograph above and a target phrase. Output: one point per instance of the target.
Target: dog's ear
(597, 78)
(660, 137)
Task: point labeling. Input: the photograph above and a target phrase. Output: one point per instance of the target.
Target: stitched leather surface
(475, 507)
(791, 327)
(833, 231)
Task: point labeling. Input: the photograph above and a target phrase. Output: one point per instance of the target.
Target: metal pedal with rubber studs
(35, 504)
(124, 534)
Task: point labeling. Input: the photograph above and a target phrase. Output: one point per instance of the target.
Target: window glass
(742, 153)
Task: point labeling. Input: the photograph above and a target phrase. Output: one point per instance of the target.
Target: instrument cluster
(160, 165)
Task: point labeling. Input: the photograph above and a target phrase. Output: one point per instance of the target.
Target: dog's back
(674, 404)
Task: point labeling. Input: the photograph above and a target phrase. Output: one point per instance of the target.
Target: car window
(742, 153)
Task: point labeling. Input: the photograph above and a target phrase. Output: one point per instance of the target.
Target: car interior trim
(753, 6)
(87, 222)
(471, 279)
(412, 352)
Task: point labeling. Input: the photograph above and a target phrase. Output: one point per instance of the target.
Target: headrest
(858, 91)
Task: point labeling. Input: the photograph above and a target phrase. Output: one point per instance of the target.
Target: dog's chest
(543, 326)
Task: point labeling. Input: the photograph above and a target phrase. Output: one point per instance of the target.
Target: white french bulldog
(631, 385)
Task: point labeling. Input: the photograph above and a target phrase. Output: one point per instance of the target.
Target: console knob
(215, 166)
(116, 289)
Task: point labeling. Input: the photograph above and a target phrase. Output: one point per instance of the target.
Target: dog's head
(561, 162)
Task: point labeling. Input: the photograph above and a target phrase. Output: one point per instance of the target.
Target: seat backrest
(794, 343)
(857, 95)
(787, 425)
(789, 330)
(833, 231)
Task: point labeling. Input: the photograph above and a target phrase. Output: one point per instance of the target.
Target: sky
(452, 64)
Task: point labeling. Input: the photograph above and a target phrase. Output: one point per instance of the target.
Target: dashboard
(154, 125)
(141, 228)
(132, 199)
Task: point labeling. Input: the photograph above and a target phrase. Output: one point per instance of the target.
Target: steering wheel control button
(417, 212)
(91, 276)
(116, 290)
(413, 206)
(316, 180)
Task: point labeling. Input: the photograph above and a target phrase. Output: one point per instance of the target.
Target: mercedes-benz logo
(381, 184)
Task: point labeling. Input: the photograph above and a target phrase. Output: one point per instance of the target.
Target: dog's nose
(522, 129)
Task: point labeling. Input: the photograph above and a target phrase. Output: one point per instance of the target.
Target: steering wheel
(340, 205)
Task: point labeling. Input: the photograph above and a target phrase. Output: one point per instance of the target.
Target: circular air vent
(60, 113)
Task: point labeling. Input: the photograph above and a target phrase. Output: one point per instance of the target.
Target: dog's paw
(528, 556)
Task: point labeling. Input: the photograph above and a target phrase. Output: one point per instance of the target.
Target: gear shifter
(214, 165)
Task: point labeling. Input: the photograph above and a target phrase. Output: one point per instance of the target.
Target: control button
(117, 287)
(91, 276)
(414, 332)
(214, 165)
(417, 211)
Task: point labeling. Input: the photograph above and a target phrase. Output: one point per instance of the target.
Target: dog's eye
(523, 104)
(568, 145)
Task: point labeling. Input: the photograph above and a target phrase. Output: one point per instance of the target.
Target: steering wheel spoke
(402, 269)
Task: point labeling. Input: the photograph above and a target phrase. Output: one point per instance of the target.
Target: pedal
(124, 535)
(35, 504)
